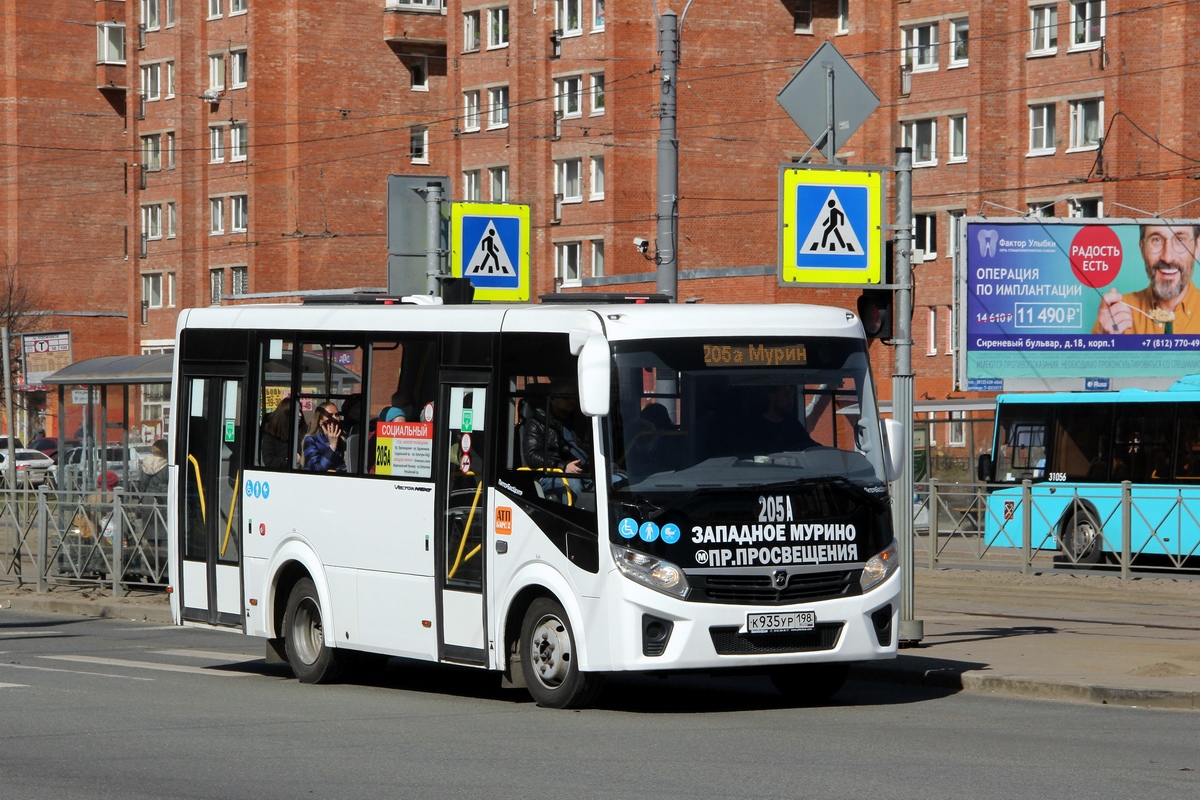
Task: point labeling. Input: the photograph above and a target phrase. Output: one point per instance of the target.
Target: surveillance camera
(641, 244)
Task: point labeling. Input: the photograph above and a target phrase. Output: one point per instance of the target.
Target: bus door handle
(501, 547)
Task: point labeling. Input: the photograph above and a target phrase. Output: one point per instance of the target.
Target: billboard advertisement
(1080, 298)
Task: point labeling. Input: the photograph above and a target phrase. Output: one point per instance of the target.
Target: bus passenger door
(463, 482)
(210, 506)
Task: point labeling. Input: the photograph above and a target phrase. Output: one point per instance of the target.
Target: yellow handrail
(463, 543)
(232, 504)
(553, 471)
(199, 487)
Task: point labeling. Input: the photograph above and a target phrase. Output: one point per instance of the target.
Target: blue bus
(1078, 449)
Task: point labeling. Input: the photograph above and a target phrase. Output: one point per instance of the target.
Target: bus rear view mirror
(595, 375)
(983, 469)
(893, 439)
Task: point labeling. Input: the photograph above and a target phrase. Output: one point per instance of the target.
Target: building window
(958, 138)
(241, 280)
(170, 220)
(239, 207)
(499, 179)
(498, 107)
(1043, 210)
(216, 144)
(566, 263)
(567, 100)
(802, 14)
(216, 286)
(170, 148)
(419, 145)
(152, 221)
(567, 17)
(419, 72)
(957, 221)
(566, 180)
(597, 15)
(1085, 124)
(170, 82)
(958, 42)
(597, 93)
(1087, 23)
(170, 12)
(150, 14)
(1085, 207)
(432, 5)
(931, 332)
(921, 136)
(925, 234)
(239, 64)
(1041, 129)
(150, 74)
(470, 186)
(1043, 23)
(597, 178)
(470, 31)
(239, 141)
(597, 258)
(237, 7)
(216, 215)
(216, 72)
(214, 8)
(920, 47)
(843, 21)
(956, 430)
(471, 110)
(110, 43)
(152, 294)
(152, 151)
(498, 27)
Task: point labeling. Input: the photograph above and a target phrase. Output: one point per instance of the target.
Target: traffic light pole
(911, 630)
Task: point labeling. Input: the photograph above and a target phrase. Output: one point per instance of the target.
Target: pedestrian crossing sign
(830, 225)
(490, 247)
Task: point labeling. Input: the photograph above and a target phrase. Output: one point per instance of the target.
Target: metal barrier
(1122, 529)
(105, 539)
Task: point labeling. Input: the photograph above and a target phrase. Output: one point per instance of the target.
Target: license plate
(777, 623)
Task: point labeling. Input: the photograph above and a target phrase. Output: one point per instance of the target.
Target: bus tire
(809, 684)
(1080, 539)
(304, 636)
(548, 660)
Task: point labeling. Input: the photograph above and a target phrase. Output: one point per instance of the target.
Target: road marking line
(76, 672)
(157, 628)
(15, 634)
(120, 662)
(232, 658)
(14, 685)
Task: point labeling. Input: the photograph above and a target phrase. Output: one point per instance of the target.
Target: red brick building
(228, 150)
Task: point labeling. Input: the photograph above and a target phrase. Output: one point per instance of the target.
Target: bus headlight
(662, 576)
(880, 567)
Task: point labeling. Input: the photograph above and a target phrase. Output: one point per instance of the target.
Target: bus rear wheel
(1080, 539)
(304, 636)
(809, 684)
(548, 659)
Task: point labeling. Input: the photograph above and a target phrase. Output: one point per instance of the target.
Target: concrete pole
(433, 237)
(11, 472)
(911, 630)
(667, 232)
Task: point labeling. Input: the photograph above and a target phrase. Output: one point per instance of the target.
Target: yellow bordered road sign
(830, 225)
(489, 245)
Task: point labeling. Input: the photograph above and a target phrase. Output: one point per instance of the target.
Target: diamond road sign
(805, 97)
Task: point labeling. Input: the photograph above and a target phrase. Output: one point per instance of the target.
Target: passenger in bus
(325, 445)
(273, 449)
(401, 409)
(777, 429)
(352, 428)
(550, 444)
(647, 451)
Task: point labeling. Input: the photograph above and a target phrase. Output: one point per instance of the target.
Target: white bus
(554, 491)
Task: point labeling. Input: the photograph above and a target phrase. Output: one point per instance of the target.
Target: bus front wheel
(548, 659)
(304, 636)
(1081, 540)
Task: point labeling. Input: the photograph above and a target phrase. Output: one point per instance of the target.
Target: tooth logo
(987, 242)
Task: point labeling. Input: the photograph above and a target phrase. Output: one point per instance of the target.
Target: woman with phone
(325, 444)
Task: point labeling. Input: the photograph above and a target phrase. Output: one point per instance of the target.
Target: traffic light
(875, 311)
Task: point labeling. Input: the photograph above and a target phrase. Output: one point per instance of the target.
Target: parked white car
(32, 467)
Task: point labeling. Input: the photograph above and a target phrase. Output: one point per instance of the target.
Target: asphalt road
(95, 709)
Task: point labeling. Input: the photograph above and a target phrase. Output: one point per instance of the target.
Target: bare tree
(19, 312)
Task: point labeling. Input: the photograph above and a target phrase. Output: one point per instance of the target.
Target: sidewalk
(1079, 637)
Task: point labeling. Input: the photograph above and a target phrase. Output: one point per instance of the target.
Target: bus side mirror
(893, 449)
(595, 376)
(983, 469)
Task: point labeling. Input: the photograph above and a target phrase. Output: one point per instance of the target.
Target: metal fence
(955, 526)
(54, 537)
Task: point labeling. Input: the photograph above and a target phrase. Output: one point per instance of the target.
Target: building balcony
(414, 27)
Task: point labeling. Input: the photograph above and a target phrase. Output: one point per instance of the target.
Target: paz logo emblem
(780, 578)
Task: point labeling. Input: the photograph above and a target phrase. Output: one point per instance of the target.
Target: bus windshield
(719, 412)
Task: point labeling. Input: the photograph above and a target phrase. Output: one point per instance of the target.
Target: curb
(98, 609)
